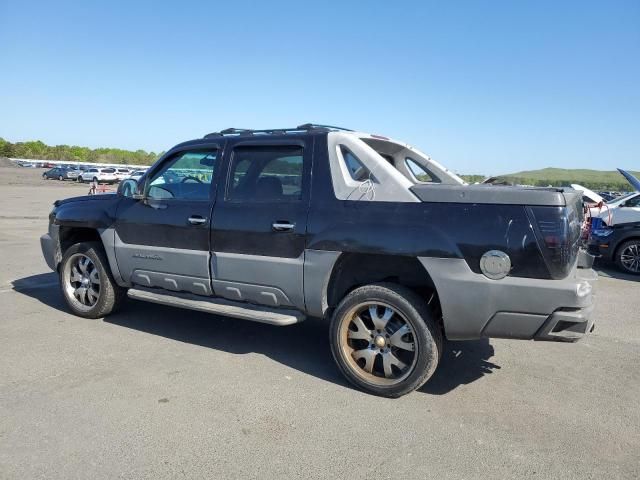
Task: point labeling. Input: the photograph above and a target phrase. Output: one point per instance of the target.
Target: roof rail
(274, 131)
(317, 126)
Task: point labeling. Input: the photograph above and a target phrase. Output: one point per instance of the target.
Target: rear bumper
(474, 306)
(567, 325)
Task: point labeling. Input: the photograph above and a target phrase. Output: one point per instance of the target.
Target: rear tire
(86, 281)
(384, 339)
(628, 257)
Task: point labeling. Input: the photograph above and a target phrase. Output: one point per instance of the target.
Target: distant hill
(559, 177)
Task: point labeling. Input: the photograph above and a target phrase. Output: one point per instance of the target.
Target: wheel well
(353, 270)
(71, 235)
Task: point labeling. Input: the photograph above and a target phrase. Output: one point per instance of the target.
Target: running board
(219, 306)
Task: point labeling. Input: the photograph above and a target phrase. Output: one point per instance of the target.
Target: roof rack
(274, 131)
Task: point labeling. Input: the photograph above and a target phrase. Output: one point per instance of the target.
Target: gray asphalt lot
(156, 392)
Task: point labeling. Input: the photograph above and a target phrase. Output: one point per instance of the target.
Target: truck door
(163, 240)
(260, 222)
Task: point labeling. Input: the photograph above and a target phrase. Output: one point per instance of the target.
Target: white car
(122, 173)
(624, 209)
(137, 174)
(100, 175)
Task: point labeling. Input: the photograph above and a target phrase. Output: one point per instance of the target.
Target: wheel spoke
(75, 275)
(93, 276)
(380, 322)
(363, 333)
(82, 264)
(369, 356)
(81, 294)
(389, 359)
(92, 295)
(397, 341)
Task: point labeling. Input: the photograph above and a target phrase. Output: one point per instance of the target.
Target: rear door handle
(197, 220)
(283, 226)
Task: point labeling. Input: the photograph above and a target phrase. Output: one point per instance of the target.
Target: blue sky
(483, 86)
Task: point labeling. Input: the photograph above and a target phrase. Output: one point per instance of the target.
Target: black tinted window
(187, 176)
(266, 173)
(420, 173)
(634, 202)
(356, 169)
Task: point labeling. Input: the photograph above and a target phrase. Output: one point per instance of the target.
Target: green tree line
(40, 151)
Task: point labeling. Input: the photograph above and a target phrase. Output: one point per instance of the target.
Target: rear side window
(266, 174)
(420, 173)
(356, 168)
(108, 170)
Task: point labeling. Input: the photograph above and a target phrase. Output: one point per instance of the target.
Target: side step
(219, 306)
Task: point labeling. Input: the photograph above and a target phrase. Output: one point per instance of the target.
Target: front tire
(86, 281)
(385, 340)
(628, 257)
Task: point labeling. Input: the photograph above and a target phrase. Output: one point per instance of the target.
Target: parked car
(100, 175)
(393, 250)
(57, 172)
(622, 209)
(606, 196)
(620, 244)
(137, 174)
(122, 173)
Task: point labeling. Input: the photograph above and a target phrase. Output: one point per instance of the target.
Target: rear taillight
(558, 232)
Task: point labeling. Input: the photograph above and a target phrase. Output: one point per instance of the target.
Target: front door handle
(283, 226)
(197, 220)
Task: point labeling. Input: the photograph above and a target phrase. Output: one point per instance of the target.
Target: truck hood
(85, 198)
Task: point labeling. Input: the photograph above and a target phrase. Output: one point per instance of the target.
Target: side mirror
(130, 188)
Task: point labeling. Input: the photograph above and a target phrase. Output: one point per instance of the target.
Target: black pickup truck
(394, 250)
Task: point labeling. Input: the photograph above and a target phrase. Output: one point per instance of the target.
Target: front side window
(266, 173)
(187, 176)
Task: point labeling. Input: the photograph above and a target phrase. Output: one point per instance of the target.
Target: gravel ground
(155, 392)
